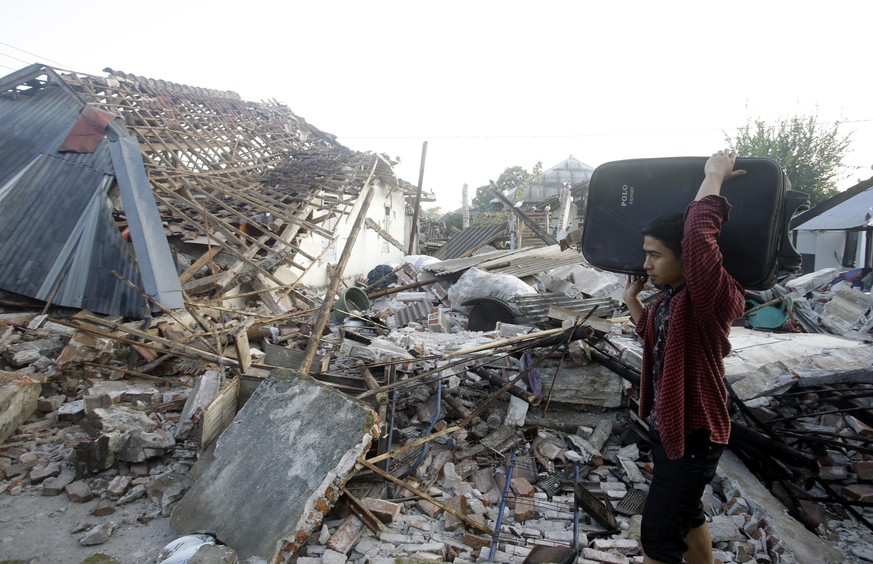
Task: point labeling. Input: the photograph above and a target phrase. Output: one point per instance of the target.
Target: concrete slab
(763, 362)
(805, 545)
(278, 467)
(586, 385)
(19, 397)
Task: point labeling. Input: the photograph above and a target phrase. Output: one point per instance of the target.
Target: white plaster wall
(387, 209)
(829, 247)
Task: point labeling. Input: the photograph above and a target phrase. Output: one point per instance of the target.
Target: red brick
(347, 535)
(522, 487)
(459, 504)
(859, 492)
(429, 509)
(864, 470)
(476, 541)
(384, 510)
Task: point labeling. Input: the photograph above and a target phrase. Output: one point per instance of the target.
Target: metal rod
(495, 538)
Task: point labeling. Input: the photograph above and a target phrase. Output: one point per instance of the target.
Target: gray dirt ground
(38, 529)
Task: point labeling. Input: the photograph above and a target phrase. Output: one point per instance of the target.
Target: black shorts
(673, 505)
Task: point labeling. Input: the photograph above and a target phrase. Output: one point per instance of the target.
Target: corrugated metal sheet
(535, 307)
(854, 213)
(470, 240)
(58, 238)
(551, 183)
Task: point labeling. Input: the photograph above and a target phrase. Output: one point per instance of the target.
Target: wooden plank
(243, 351)
(219, 414)
(199, 263)
(384, 234)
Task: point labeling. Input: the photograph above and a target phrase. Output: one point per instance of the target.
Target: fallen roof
(219, 169)
(59, 241)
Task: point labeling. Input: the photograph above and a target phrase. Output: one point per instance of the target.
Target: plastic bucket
(353, 299)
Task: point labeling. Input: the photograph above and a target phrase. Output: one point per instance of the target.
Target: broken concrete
(278, 468)
(806, 547)
(19, 396)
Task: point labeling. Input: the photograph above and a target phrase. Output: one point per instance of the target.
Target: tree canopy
(812, 153)
(513, 179)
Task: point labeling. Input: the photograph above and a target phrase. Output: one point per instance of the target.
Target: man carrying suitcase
(685, 339)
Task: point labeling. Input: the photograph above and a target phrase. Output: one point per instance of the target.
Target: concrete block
(522, 487)
(802, 285)
(587, 385)
(19, 398)
(624, 546)
(40, 473)
(79, 492)
(54, 486)
(601, 556)
(279, 467)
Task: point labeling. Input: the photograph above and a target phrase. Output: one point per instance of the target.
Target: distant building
(837, 233)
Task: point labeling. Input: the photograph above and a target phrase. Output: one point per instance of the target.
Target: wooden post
(327, 306)
(413, 235)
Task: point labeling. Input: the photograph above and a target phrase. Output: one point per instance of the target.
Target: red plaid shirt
(691, 390)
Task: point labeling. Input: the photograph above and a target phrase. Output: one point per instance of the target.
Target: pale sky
(488, 84)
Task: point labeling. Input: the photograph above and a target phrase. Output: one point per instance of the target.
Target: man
(685, 336)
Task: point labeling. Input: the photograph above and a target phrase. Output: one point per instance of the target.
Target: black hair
(668, 228)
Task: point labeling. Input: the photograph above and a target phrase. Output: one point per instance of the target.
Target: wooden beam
(199, 263)
(326, 307)
(385, 235)
(532, 225)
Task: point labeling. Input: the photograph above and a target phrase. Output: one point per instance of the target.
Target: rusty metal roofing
(470, 240)
(520, 263)
(218, 167)
(58, 238)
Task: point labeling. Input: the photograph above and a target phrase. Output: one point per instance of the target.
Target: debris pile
(411, 436)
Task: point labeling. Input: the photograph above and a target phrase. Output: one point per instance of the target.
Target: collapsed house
(472, 406)
(248, 189)
(838, 232)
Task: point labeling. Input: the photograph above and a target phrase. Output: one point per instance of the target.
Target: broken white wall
(387, 208)
(828, 247)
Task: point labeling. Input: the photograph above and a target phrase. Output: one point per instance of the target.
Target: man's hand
(634, 286)
(718, 168)
(630, 295)
(721, 164)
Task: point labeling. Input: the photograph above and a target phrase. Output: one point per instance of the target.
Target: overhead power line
(571, 135)
(32, 55)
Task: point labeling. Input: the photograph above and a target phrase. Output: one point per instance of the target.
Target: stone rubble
(105, 441)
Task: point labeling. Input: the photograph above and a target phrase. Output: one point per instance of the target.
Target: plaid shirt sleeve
(691, 392)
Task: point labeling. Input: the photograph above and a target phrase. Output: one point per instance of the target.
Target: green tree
(512, 182)
(812, 153)
(454, 221)
(483, 198)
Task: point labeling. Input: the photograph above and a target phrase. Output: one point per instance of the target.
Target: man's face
(662, 265)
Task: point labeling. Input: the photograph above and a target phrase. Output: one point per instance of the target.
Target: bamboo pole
(423, 495)
(326, 307)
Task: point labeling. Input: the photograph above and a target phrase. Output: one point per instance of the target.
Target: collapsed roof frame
(246, 178)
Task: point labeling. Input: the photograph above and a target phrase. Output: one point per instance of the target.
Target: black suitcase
(623, 196)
